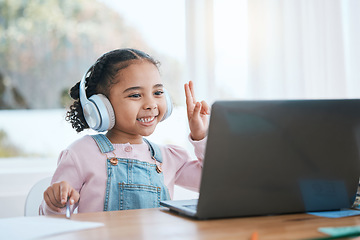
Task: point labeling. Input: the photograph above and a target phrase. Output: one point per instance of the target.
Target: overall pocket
(136, 196)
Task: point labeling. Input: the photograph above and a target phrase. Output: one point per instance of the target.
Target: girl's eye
(158, 93)
(136, 95)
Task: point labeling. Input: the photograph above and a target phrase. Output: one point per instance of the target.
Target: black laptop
(277, 157)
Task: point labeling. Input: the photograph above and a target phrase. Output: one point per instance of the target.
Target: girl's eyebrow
(131, 89)
(159, 85)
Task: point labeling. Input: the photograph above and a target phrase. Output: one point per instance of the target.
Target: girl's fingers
(64, 192)
(74, 196)
(191, 86)
(50, 199)
(205, 108)
(197, 109)
(57, 195)
(189, 99)
(49, 203)
(194, 108)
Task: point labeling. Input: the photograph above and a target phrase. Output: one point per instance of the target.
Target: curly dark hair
(100, 77)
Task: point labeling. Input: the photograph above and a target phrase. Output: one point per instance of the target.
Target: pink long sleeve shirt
(83, 166)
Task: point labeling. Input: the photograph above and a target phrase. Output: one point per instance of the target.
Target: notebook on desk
(277, 157)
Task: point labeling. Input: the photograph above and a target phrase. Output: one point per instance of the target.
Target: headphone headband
(82, 92)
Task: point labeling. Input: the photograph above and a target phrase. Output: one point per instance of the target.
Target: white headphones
(98, 111)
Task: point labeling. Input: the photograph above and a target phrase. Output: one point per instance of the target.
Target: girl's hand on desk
(197, 113)
(57, 194)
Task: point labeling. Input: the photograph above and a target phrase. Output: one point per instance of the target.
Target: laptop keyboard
(192, 206)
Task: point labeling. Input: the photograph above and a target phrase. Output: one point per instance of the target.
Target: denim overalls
(132, 184)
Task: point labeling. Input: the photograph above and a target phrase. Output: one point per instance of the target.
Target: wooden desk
(162, 224)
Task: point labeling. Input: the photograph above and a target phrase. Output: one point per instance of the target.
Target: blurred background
(231, 49)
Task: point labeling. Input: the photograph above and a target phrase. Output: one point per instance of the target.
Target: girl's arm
(180, 168)
(197, 114)
(62, 187)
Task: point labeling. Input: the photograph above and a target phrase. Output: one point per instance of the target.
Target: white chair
(35, 196)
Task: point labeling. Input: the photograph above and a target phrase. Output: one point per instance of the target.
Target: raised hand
(197, 113)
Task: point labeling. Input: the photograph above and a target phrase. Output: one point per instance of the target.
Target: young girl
(120, 169)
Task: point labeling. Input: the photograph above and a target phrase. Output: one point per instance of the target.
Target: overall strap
(103, 143)
(155, 150)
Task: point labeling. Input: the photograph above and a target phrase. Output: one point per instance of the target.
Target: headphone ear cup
(91, 114)
(169, 105)
(105, 110)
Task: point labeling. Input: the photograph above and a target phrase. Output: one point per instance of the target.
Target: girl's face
(139, 102)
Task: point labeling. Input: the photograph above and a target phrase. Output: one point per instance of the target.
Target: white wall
(17, 176)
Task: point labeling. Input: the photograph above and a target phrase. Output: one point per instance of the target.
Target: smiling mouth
(146, 119)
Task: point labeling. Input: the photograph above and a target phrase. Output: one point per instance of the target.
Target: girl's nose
(150, 104)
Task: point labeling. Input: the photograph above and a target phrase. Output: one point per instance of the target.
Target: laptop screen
(281, 156)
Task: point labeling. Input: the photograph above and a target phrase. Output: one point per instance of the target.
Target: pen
(254, 236)
(68, 212)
